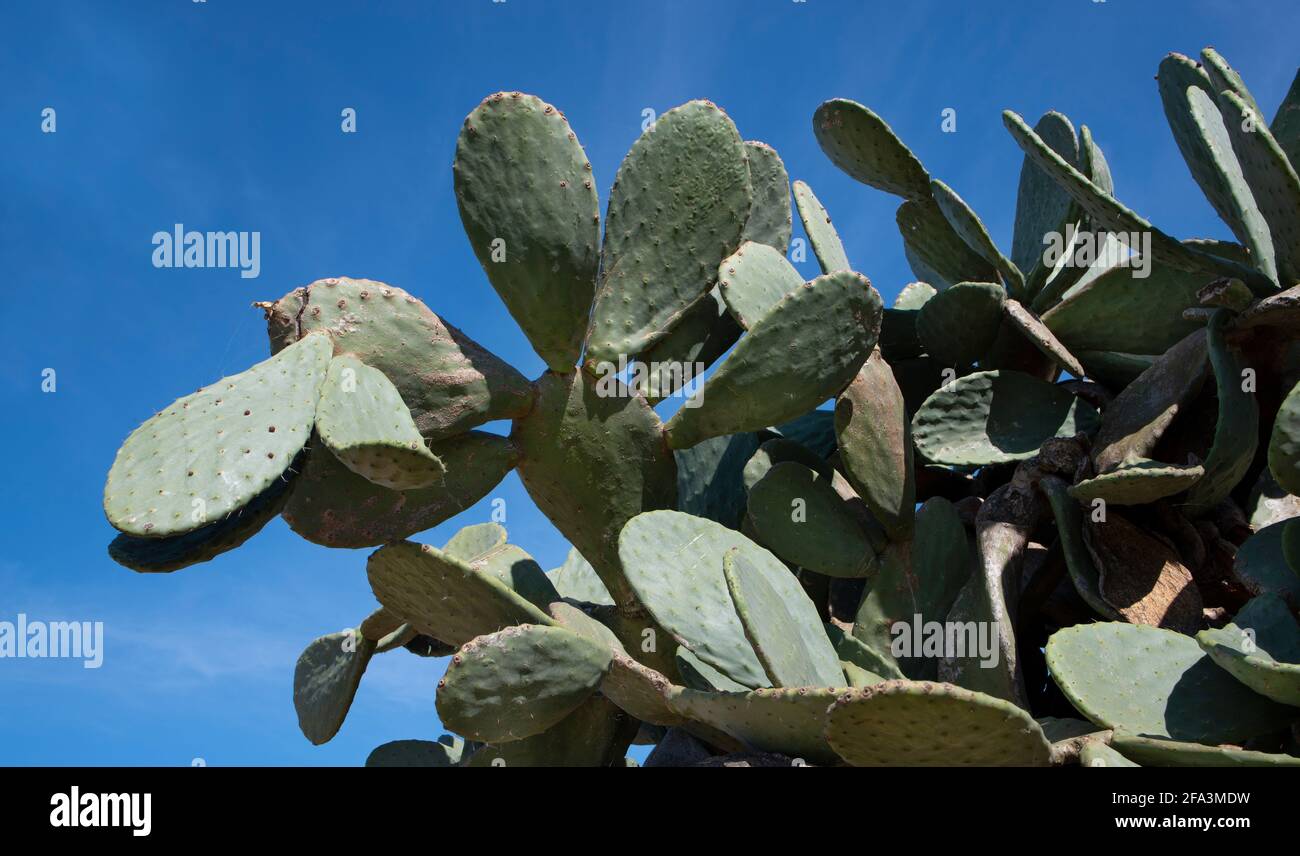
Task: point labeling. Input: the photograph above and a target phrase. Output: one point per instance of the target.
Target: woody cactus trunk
(1052, 518)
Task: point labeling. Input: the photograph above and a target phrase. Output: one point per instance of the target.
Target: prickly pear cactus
(1049, 520)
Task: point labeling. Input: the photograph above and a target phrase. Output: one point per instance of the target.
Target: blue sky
(225, 115)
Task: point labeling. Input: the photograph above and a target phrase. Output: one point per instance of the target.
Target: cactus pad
(875, 445)
(804, 350)
(325, 681)
(864, 146)
(528, 202)
(968, 226)
(1261, 648)
(686, 175)
(1138, 481)
(444, 597)
(362, 419)
(1284, 446)
(577, 579)
(820, 230)
(790, 721)
(924, 724)
(338, 508)
(753, 279)
(518, 682)
(786, 634)
(1162, 752)
(958, 325)
(801, 518)
(214, 451)
(1157, 683)
(994, 417)
(673, 562)
(769, 220)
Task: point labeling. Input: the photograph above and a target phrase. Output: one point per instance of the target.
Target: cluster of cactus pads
(1052, 517)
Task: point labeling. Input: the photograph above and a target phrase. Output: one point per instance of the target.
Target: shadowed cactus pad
(1260, 648)
(995, 417)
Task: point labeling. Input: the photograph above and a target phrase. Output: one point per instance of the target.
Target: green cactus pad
(753, 279)
(576, 579)
(1078, 561)
(214, 451)
(673, 562)
(1284, 445)
(995, 417)
(875, 445)
(1096, 754)
(804, 350)
(1042, 338)
(518, 682)
(918, 578)
(864, 146)
(1162, 752)
(1272, 178)
(1236, 433)
(930, 240)
(1118, 311)
(778, 450)
(677, 209)
(326, 680)
(703, 333)
(595, 734)
(1261, 648)
(362, 419)
(1155, 682)
(786, 633)
(449, 381)
(800, 517)
(1199, 129)
(473, 542)
(163, 555)
(710, 477)
(968, 226)
(593, 458)
(335, 507)
(1138, 417)
(528, 202)
(1262, 567)
(821, 232)
(853, 650)
(1042, 207)
(769, 220)
(418, 753)
(1137, 482)
(1106, 212)
(924, 724)
(958, 325)
(1224, 77)
(445, 597)
(789, 721)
